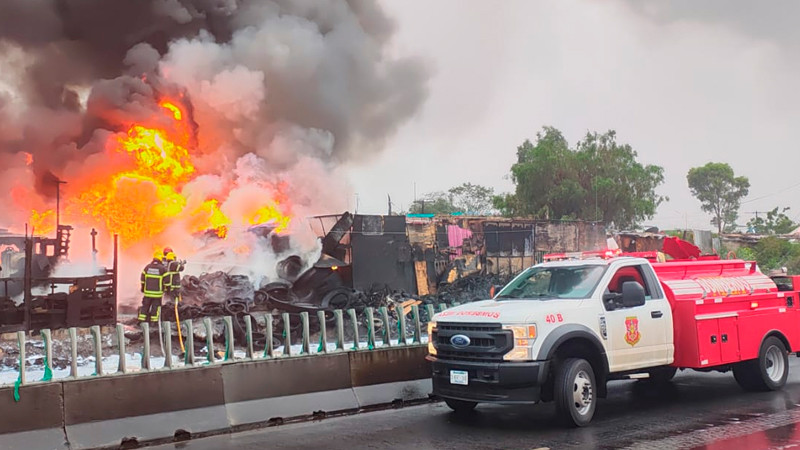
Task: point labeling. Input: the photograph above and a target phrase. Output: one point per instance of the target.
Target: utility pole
(58, 202)
(596, 211)
(94, 247)
(390, 203)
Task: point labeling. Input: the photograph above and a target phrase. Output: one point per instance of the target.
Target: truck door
(639, 336)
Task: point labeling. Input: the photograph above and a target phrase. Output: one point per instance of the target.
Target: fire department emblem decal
(632, 334)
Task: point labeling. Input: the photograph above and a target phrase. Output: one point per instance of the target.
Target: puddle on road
(783, 437)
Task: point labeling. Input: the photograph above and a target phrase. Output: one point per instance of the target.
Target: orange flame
(208, 216)
(44, 222)
(176, 112)
(270, 214)
(144, 198)
(156, 156)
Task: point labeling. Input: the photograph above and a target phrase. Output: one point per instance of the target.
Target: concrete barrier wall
(144, 406)
(36, 421)
(390, 375)
(258, 392)
(157, 405)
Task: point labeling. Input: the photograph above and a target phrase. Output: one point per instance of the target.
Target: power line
(770, 195)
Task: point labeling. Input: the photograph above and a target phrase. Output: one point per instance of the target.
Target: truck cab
(560, 330)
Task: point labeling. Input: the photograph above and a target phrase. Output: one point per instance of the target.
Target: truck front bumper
(506, 382)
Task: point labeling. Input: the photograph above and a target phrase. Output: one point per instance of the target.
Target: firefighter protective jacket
(172, 280)
(154, 279)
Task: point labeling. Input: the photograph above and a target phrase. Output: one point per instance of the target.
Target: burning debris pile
(187, 122)
(218, 294)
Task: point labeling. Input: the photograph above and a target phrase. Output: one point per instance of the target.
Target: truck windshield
(543, 283)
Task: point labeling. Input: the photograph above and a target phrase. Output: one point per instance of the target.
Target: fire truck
(562, 329)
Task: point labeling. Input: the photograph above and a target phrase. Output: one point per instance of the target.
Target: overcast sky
(684, 84)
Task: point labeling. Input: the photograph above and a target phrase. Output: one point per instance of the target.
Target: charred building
(418, 254)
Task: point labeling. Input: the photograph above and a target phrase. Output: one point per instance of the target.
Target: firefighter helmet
(167, 250)
(170, 256)
(157, 255)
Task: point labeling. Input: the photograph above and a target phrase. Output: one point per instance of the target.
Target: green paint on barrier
(48, 373)
(370, 340)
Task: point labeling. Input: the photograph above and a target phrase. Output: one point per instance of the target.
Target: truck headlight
(523, 337)
(431, 329)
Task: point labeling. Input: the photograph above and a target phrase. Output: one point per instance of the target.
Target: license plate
(459, 377)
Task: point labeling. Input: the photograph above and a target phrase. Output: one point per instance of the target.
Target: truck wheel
(460, 406)
(768, 372)
(575, 392)
(661, 375)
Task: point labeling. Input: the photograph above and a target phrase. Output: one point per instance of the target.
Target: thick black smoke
(283, 79)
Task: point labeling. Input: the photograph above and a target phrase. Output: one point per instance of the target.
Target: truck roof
(693, 279)
(592, 261)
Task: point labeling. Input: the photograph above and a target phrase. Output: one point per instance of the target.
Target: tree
(433, 203)
(466, 198)
(773, 252)
(472, 199)
(624, 188)
(775, 223)
(598, 180)
(720, 192)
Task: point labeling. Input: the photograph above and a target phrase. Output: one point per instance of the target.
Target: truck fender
(571, 331)
(777, 334)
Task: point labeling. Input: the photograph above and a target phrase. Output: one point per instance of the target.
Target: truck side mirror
(611, 300)
(632, 294)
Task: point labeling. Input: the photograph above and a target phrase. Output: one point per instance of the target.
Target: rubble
(218, 294)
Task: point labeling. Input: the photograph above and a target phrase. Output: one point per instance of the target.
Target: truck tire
(575, 392)
(768, 372)
(460, 406)
(662, 375)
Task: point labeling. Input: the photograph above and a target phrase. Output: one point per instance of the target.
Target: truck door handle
(656, 314)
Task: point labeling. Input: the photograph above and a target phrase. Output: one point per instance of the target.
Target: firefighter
(153, 281)
(173, 276)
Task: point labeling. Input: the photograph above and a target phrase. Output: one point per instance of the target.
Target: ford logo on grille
(459, 340)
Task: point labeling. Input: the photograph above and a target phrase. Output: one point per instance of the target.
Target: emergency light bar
(652, 256)
(602, 254)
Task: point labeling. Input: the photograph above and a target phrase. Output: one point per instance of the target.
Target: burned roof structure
(420, 253)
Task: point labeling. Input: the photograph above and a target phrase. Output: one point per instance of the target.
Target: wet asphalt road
(696, 411)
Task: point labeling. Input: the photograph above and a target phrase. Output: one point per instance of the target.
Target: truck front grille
(487, 342)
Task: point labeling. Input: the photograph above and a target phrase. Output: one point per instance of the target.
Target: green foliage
(674, 233)
(472, 199)
(720, 192)
(433, 203)
(776, 222)
(468, 198)
(504, 203)
(746, 253)
(599, 179)
(773, 252)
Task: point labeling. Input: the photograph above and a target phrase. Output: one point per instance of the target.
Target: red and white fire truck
(562, 329)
